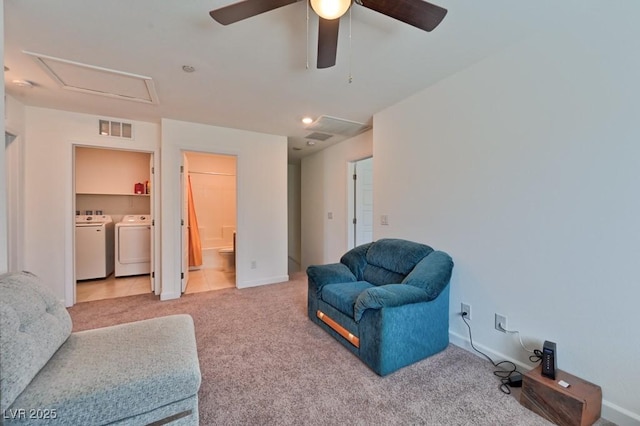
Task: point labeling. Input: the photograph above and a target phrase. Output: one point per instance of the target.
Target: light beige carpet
(264, 363)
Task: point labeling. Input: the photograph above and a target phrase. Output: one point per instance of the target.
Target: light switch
(384, 219)
(330, 215)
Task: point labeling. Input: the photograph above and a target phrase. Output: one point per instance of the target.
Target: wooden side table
(578, 405)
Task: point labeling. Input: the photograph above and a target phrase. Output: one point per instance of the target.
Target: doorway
(113, 203)
(209, 221)
(360, 190)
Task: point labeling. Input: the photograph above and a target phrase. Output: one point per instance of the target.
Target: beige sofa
(146, 372)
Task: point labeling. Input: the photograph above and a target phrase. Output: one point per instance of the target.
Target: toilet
(228, 255)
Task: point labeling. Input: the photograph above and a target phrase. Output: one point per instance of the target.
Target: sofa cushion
(387, 296)
(381, 276)
(343, 296)
(118, 372)
(34, 324)
(389, 260)
(356, 260)
(399, 256)
(329, 274)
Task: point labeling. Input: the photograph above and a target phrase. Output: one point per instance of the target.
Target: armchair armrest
(387, 296)
(321, 275)
(432, 274)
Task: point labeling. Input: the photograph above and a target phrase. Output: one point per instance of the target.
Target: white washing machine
(133, 246)
(94, 247)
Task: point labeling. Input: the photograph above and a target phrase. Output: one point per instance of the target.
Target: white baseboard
(263, 281)
(610, 411)
(169, 295)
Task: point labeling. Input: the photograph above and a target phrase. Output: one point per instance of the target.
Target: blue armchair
(386, 301)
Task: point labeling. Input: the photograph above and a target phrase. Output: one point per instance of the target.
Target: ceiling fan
(418, 13)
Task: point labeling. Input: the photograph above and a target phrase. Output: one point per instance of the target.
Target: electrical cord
(503, 374)
(519, 338)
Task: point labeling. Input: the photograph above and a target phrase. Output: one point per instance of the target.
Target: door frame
(14, 175)
(184, 221)
(70, 287)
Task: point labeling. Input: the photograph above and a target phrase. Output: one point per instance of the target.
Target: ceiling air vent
(116, 129)
(337, 126)
(318, 136)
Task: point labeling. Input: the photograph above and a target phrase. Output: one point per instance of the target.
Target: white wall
(49, 217)
(525, 168)
(262, 199)
(324, 190)
(4, 266)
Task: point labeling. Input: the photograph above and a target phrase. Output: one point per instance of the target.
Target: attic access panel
(96, 80)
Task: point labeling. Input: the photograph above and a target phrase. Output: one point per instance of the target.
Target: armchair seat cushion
(389, 295)
(343, 296)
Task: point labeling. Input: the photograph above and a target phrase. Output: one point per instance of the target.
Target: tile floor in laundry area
(210, 276)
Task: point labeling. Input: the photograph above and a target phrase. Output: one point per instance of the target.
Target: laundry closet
(113, 238)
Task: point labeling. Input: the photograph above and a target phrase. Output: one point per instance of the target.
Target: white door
(184, 178)
(360, 202)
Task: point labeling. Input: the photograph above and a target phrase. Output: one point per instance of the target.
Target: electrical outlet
(254, 264)
(501, 323)
(465, 307)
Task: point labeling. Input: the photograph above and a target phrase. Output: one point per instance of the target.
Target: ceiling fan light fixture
(330, 9)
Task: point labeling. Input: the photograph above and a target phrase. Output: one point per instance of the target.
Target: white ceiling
(250, 75)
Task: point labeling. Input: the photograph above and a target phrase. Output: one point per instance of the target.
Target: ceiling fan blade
(327, 42)
(246, 9)
(418, 13)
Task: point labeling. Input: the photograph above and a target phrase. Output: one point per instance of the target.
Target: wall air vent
(337, 126)
(116, 129)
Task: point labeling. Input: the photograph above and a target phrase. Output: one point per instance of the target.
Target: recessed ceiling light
(311, 143)
(188, 68)
(307, 120)
(23, 83)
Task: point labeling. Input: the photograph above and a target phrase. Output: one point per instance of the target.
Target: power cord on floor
(509, 376)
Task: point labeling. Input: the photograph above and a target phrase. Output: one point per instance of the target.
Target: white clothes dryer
(133, 246)
(94, 247)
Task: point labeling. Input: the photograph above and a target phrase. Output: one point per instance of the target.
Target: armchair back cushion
(34, 325)
(387, 261)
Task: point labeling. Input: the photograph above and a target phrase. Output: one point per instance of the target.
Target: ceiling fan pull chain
(307, 35)
(350, 50)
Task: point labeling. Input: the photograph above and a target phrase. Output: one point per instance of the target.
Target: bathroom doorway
(209, 194)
